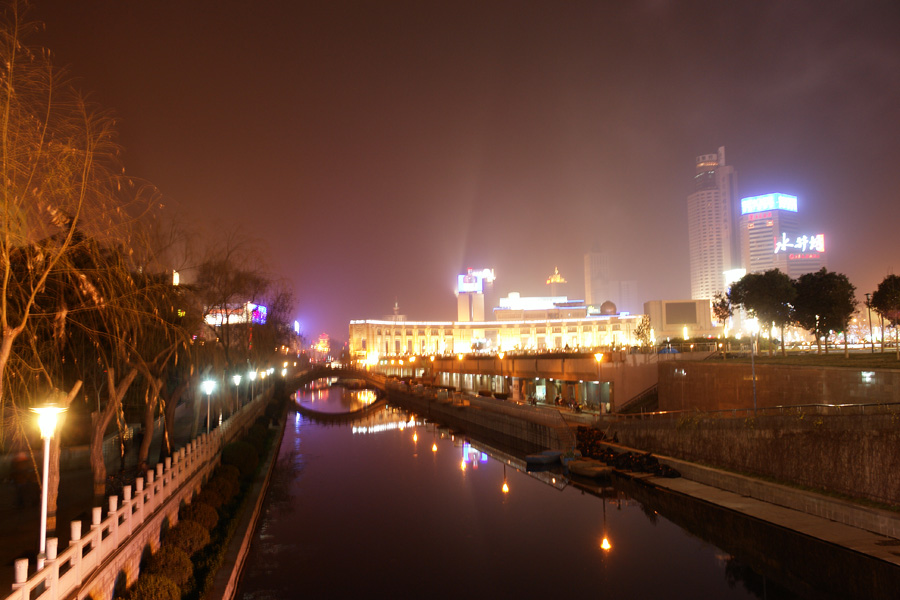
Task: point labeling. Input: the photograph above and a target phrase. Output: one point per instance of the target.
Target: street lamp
(869, 308)
(236, 378)
(47, 417)
(208, 386)
(252, 376)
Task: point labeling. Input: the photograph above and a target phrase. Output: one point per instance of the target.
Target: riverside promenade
(20, 527)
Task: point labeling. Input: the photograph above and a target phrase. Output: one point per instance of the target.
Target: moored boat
(546, 457)
(589, 468)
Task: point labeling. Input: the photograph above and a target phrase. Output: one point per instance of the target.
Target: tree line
(90, 316)
(822, 303)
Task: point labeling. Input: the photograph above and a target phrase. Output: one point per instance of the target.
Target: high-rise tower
(713, 213)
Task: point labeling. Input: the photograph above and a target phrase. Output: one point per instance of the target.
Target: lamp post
(869, 308)
(208, 386)
(47, 417)
(252, 376)
(236, 378)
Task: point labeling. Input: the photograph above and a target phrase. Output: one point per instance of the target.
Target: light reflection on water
(381, 512)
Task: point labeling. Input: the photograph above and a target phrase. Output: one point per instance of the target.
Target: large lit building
(712, 215)
(764, 220)
(772, 238)
(522, 323)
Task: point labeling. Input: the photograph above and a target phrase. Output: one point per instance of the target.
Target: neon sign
(755, 204)
(803, 243)
(473, 281)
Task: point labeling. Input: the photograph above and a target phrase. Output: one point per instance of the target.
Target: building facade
(772, 238)
(554, 330)
(712, 214)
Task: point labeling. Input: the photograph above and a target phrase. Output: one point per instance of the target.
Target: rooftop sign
(755, 204)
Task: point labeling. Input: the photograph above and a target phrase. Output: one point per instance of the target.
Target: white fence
(89, 566)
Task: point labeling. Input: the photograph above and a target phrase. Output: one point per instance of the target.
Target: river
(393, 506)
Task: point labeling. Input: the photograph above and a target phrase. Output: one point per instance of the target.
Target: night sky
(380, 148)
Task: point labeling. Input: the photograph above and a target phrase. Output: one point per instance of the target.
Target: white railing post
(20, 575)
(96, 534)
(113, 520)
(151, 494)
(74, 539)
(128, 509)
(51, 583)
(139, 499)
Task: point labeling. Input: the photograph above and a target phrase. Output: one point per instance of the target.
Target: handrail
(65, 573)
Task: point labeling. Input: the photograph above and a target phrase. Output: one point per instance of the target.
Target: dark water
(387, 508)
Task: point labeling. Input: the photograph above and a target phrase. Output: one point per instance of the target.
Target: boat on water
(589, 468)
(547, 457)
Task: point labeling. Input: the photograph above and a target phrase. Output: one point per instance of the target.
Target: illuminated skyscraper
(764, 220)
(771, 237)
(713, 213)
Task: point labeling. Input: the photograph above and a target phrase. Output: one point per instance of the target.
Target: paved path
(859, 540)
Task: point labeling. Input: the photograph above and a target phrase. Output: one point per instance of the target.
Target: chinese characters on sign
(803, 243)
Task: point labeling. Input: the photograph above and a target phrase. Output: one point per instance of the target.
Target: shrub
(200, 512)
(173, 563)
(189, 536)
(226, 488)
(242, 455)
(155, 587)
(211, 497)
(258, 431)
(273, 411)
(229, 471)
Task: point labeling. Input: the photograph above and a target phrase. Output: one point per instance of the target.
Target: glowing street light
(236, 379)
(252, 376)
(47, 418)
(208, 386)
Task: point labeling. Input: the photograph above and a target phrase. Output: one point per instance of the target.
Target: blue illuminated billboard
(471, 283)
(755, 204)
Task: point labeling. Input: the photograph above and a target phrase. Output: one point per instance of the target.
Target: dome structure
(608, 308)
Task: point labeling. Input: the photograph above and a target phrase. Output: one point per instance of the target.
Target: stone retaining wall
(854, 455)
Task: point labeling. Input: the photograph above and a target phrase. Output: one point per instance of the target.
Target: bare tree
(62, 184)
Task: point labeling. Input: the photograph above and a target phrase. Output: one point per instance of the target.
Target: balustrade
(65, 575)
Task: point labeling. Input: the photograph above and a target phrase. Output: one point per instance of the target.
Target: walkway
(858, 540)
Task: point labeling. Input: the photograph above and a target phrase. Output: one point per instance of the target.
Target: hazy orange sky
(380, 148)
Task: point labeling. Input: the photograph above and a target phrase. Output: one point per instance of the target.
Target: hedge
(210, 497)
(242, 455)
(155, 587)
(200, 512)
(226, 487)
(229, 471)
(189, 536)
(172, 562)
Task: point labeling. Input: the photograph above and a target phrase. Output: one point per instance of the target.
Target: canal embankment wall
(520, 428)
(709, 386)
(856, 456)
